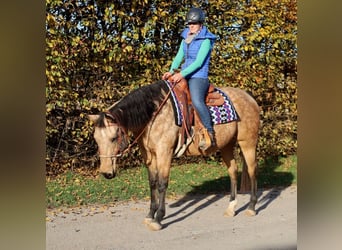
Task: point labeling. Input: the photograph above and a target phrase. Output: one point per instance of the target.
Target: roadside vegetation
(73, 189)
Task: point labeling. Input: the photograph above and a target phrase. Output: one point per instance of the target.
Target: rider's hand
(166, 76)
(177, 77)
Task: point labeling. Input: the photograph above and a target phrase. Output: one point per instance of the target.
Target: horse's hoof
(229, 213)
(250, 212)
(147, 221)
(154, 226)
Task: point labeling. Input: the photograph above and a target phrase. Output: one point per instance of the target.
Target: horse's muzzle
(109, 175)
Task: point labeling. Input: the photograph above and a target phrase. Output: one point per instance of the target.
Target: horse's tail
(245, 185)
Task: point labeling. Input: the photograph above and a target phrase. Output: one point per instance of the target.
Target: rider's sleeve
(178, 59)
(201, 56)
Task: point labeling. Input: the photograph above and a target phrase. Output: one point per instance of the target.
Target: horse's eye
(113, 139)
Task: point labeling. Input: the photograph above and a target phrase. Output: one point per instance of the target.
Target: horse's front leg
(162, 187)
(157, 209)
(153, 182)
(154, 198)
(163, 181)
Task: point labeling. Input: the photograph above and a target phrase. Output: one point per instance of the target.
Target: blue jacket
(191, 51)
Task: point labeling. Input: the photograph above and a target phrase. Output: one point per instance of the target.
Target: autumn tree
(97, 51)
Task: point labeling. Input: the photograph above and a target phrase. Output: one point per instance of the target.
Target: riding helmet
(195, 15)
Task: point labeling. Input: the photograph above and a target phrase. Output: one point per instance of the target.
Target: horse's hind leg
(249, 153)
(228, 158)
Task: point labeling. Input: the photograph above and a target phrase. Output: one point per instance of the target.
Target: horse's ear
(93, 118)
(110, 117)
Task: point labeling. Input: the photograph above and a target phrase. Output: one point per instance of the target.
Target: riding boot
(212, 139)
(207, 140)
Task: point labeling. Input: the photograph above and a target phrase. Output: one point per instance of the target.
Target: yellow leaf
(136, 36)
(128, 48)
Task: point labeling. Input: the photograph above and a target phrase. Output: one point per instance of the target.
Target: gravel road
(190, 223)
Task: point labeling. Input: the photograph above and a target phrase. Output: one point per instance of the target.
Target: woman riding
(195, 49)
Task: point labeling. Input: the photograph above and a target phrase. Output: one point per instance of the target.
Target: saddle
(190, 116)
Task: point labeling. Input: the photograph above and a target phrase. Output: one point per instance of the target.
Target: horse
(147, 114)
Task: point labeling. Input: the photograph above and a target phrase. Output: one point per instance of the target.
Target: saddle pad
(224, 113)
(175, 105)
(219, 114)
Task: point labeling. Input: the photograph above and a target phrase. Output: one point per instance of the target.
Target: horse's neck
(162, 118)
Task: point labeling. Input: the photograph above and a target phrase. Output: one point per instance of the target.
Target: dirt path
(190, 223)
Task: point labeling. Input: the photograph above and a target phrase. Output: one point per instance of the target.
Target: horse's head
(111, 141)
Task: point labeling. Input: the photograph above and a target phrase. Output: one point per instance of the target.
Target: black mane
(136, 109)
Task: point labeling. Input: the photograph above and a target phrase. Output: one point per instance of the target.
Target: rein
(123, 131)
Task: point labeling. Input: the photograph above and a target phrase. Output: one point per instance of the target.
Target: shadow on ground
(270, 185)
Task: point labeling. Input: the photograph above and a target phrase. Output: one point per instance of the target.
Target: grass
(71, 189)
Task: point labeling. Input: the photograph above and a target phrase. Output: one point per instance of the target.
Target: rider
(195, 49)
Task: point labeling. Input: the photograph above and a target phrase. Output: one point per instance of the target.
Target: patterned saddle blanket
(219, 114)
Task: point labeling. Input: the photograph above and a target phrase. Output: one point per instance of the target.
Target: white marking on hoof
(250, 212)
(230, 211)
(154, 226)
(147, 221)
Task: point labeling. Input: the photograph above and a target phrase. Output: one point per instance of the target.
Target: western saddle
(190, 117)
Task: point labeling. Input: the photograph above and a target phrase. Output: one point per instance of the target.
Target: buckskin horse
(148, 114)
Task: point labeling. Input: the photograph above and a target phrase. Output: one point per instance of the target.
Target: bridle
(122, 138)
(121, 141)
